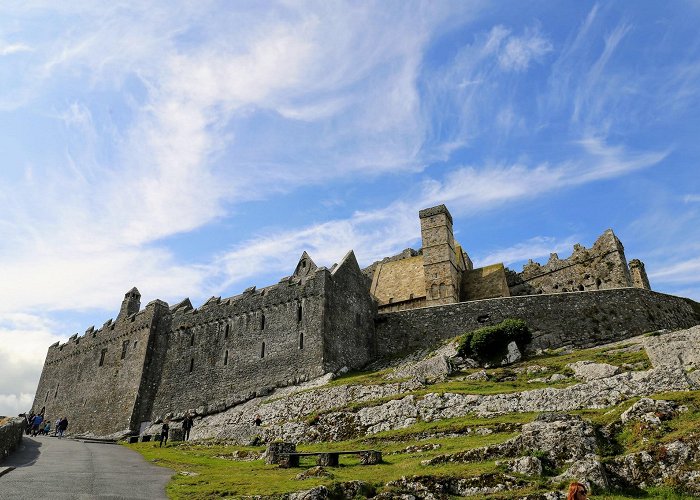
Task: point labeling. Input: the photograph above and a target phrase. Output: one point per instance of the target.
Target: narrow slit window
(301, 340)
(192, 339)
(262, 350)
(226, 358)
(55, 394)
(191, 365)
(262, 321)
(102, 356)
(47, 397)
(226, 330)
(125, 346)
(299, 311)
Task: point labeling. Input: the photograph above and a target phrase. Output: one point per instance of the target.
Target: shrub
(491, 341)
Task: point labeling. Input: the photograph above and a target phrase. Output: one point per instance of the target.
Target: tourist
(257, 420)
(164, 434)
(577, 491)
(36, 423)
(186, 426)
(29, 421)
(47, 427)
(62, 426)
(55, 428)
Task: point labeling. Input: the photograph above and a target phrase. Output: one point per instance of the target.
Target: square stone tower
(443, 275)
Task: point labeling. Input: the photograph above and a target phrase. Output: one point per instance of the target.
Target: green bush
(491, 341)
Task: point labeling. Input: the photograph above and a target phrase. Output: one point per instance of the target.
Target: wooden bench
(330, 458)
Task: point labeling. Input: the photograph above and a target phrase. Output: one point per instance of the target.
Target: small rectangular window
(102, 356)
(226, 358)
(191, 365)
(125, 346)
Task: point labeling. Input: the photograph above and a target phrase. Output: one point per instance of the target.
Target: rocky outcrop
(675, 349)
(588, 370)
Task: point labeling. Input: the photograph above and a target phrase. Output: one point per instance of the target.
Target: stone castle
(163, 359)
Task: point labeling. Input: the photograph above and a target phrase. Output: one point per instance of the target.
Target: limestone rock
(317, 471)
(588, 370)
(479, 376)
(649, 410)
(587, 470)
(562, 437)
(528, 466)
(512, 355)
(432, 369)
(676, 349)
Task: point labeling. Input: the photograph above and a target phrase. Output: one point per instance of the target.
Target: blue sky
(193, 149)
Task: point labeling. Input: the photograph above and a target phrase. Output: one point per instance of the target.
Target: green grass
(219, 477)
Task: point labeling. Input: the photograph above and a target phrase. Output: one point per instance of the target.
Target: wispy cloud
(7, 49)
(519, 51)
(533, 248)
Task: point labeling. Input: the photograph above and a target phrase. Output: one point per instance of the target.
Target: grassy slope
(217, 476)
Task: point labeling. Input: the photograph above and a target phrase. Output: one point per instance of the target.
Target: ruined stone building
(160, 360)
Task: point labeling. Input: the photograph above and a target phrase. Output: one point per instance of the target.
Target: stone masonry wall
(96, 397)
(227, 350)
(348, 317)
(582, 319)
(600, 267)
(10, 436)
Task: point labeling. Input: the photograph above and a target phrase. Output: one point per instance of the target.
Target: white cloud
(7, 49)
(691, 198)
(679, 272)
(533, 248)
(24, 341)
(518, 52)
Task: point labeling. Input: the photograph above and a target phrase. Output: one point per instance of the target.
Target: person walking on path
(164, 434)
(55, 426)
(186, 426)
(62, 426)
(36, 423)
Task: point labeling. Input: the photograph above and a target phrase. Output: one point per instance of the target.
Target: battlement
(433, 211)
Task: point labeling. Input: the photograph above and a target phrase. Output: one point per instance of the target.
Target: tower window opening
(125, 346)
(299, 312)
(192, 339)
(47, 397)
(226, 358)
(191, 365)
(301, 340)
(102, 356)
(262, 350)
(226, 330)
(55, 394)
(262, 321)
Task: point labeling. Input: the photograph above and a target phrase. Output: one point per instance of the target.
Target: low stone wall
(10, 436)
(578, 319)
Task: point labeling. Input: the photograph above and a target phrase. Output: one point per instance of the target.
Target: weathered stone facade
(11, 433)
(164, 360)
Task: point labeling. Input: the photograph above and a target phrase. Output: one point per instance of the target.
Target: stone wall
(229, 349)
(582, 319)
(95, 379)
(601, 267)
(349, 318)
(11, 433)
(485, 283)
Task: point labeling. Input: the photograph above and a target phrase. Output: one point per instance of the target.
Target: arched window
(443, 290)
(434, 293)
